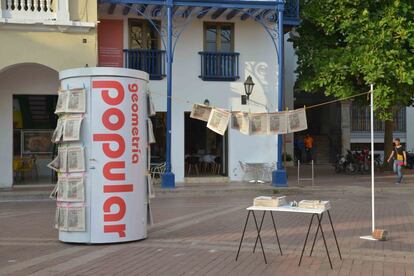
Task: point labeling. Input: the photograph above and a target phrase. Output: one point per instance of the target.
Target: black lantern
(248, 86)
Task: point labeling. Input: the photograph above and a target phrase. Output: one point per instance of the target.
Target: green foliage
(343, 46)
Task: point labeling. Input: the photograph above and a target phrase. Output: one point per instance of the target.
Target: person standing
(400, 159)
(308, 141)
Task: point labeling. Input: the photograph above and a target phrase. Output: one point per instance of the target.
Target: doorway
(33, 124)
(205, 150)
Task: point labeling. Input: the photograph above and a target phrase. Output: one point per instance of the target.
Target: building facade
(38, 39)
(217, 50)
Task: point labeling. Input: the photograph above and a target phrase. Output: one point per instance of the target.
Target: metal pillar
(279, 178)
(168, 178)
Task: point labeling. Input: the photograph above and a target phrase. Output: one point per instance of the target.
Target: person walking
(400, 159)
(308, 141)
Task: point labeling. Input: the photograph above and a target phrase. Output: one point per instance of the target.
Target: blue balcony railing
(217, 66)
(150, 61)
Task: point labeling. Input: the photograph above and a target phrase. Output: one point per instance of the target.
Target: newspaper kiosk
(102, 190)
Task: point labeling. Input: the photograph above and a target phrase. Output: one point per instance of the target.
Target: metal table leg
(314, 239)
(333, 230)
(260, 229)
(306, 239)
(324, 240)
(242, 237)
(258, 234)
(277, 236)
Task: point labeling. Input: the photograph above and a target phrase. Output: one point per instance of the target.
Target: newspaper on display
(72, 127)
(76, 101)
(76, 158)
(218, 120)
(71, 188)
(70, 218)
(150, 187)
(258, 123)
(71, 101)
(151, 137)
(57, 134)
(150, 105)
(59, 164)
(297, 120)
(201, 112)
(277, 123)
(61, 103)
(240, 121)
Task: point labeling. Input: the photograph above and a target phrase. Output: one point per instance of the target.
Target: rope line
(258, 103)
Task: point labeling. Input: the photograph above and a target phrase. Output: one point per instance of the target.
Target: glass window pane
(211, 47)
(226, 39)
(211, 34)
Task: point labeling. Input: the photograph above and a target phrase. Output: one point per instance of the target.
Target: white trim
(103, 71)
(51, 25)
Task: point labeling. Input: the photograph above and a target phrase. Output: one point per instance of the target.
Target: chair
(24, 165)
(267, 171)
(192, 162)
(217, 165)
(246, 169)
(158, 169)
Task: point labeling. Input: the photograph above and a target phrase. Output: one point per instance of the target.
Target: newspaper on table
(76, 99)
(314, 204)
(258, 123)
(72, 127)
(61, 103)
(218, 120)
(150, 105)
(151, 137)
(277, 123)
(240, 122)
(201, 112)
(57, 134)
(71, 189)
(297, 120)
(76, 158)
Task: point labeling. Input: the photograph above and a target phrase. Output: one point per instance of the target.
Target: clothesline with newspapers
(251, 123)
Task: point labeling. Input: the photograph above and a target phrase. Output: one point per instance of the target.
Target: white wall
(257, 58)
(19, 79)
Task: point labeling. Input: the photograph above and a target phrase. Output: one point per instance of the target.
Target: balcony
(218, 66)
(40, 15)
(150, 61)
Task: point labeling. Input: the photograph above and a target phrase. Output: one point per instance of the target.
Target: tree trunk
(388, 146)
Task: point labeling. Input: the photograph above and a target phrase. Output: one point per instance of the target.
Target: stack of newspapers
(269, 201)
(314, 204)
(69, 162)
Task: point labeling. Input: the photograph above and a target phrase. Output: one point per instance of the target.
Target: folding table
(319, 213)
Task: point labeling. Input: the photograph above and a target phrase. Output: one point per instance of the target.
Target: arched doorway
(27, 99)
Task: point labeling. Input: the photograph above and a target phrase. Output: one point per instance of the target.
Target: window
(144, 49)
(219, 62)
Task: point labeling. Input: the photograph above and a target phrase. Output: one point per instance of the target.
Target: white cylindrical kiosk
(114, 138)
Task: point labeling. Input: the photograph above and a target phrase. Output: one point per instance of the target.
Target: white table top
(288, 208)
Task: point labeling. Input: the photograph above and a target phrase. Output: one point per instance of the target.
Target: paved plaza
(198, 233)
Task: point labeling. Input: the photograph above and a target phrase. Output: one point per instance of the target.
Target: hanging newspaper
(150, 105)
(76, 101)
(201, 112)
(277, 123)
(72, 127)
(71, 218)
(218, 121)
(71, 189)
(57, 134)
(258, 123)
(76, 159)
(150, 187)
(63, 159)
(76, 219)
(61, 103)
(151, 137)
(240, 122)
(57, 215)
(148, 158)
(59, 164)
(297, 120)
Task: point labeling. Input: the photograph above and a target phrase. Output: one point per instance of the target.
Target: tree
(343, 46)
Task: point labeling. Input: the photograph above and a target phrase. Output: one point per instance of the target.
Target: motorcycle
(347, 163)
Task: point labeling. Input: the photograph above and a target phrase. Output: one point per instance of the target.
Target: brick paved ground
(199, 235)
